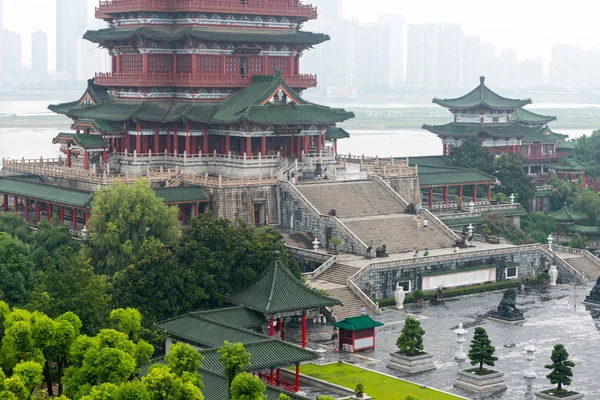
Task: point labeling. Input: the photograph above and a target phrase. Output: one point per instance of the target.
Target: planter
(411, 365)
(488, 384)
(545, 394)
(363, 397)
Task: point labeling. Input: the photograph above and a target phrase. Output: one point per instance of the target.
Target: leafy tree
(322, 397)
(498, 225)
(247, 387)
(123, 216)
(158, 285)
(132, 390)
(234, 358)
(411, 339)
(16, 270)
(184, 358)
(283, 396)
(16, 226)
(129, 321)
(561, 367)
(48, 239)
(163, 384)
(587, 202)
(409, 397)
(563, 191)
(508, 168)
(537, 226)
(471, 154)
(578, 242)
(482, 351)
(30, 374)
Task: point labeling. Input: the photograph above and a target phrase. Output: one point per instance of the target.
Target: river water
(36, 140)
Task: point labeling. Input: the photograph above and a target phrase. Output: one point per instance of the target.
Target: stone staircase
(338, 273)
(582, 264)
(351, 303)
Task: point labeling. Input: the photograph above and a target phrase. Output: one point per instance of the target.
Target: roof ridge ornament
(481, 87)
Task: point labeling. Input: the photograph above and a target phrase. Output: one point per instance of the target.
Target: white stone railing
(366, 299)
(461, 215)
(389, 189)
(563, 263)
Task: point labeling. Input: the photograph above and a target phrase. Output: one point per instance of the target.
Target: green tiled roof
(565, 145)
(440, 176)
(569, 164)
(524, 115)
(207, 333)
(100, 126)
(336, 133)
(481, 95)
(545, 135)
(565, 214)
(247, 104)
(98, 93)
(265, 354)
(584, 229)
(170, 33)
(357, 323)
(277, 291)
(181, 194)
(434, 161)
(458, 129)
(82, 139)
(238, 316)
(46, 193)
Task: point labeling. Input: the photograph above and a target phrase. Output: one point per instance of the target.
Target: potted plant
(359, 391)
(560, 375)
(411, 357)
(481, 380)
(336, 241)
(418, 296)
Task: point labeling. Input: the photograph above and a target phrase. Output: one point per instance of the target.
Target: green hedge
(460, 291)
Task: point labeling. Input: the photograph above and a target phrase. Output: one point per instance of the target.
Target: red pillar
(290, 66)
(119, 63)
(319, 143)
(138, 138)
(175, 140)
(86, 160)
(156, 139)
(49, 211)
(26, 210)
(306, 140)
(263, 146)
(489, 193)
(279, 324)
(444, 149)
(292, 140)
(68, 155)
(113, 64)
(105, 156)
(278, 374)
(61, 214)
(188, 144)
(430, 197)
(205, 140)
(475, 194)
(194, 64)
(460, 195)
(304, 330)
(5, 203)
(169, 150)
(445, 191)
(298, 146)
(145, 64)
(271, 328)
(74, 219)
(248, 146)
(227, 144)
(297, 378)
(272, 378)
(86, 216)
(16, 204)
(335, 146)
(37, 212)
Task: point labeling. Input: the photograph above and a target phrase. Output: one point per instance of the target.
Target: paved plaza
(554, 315)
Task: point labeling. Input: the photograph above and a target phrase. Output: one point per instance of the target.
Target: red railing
(590, 182)
(189, 80)
(290, 387)
(266, 7)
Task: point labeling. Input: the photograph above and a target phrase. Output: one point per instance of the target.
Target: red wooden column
(298, 146)
(489, 193)
(68, 155)
(86, 216)
(248, 146)
(319, 143)
(197, 207)
(49, 211)
(61, 214)
(222, 62)
(105, 156)
(188, 144)
(175, 140)
(174, 64)
(156, 139)
(194, 64)
(304, 329)
(205, 140)
(5, 203)
(272, 377)
(86, 160)
(444, 147)
(290, 71)
(16, 204)
(113, 64)
(271, 328)
(278, 374)
(74, 219)
(138, 138)
(306, 141)
(145, 64)
(292, 140)
(168, 140)
(430, 197)
(297, 378)
(460, 195)
(445, 191)
(227, 144)
(475, 194)
(26, 210)
(119, 63)
(263, 146)
(37, 212)
(183, 219)
(335, 146)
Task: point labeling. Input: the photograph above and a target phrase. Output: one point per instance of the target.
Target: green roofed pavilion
(482, 96)
(357, 332)
(529, 117)
(81, 140)
(357, 323)
(566, 216)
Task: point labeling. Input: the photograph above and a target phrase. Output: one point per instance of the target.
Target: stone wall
(407, 187)
(381, 282)
(295, 217)
(238, 202)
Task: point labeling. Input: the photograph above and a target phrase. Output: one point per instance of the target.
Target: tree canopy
(411, 340)
(482, 351)
(247, 387)
(471, 154)
(234, 358)
(16, 270)
(561, 372)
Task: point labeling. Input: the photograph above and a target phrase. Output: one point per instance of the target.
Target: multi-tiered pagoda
(210, 86)
(502, 124)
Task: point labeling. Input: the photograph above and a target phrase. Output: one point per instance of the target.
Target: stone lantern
(529, 374)
(512, 198)
(316, 244)
(550, 240)
(460, 339)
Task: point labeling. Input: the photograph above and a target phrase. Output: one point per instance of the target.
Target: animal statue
(369, 249)
(439, 294)
(508, 304)
(381, 252)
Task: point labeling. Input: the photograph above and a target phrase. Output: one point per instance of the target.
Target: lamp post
(550, 240)
(529, 374)
(460, 339)
(471, 206)
(316, 244)
(84, 233)
(512, 198)
(470, 232)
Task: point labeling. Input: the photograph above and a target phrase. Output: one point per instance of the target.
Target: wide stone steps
(351, 303)
(585, 266)
(351, 199)
(338, 273)
(399, 233)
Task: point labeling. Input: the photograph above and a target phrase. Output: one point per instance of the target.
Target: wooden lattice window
(254, 65)
(132, 63)
(280, 63)
(232, 65)
(209, 64)
(161, 63)
(184, 64)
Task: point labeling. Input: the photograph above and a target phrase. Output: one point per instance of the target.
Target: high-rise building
(564, 67)
(397, 51)
(507, 63)
(471, 59)
(39, 56)
(489, 61)
(71, 19)
(91, 58)
(372, 57)
(531, 72)
(1, 32)
(435, 55)
(11, 56)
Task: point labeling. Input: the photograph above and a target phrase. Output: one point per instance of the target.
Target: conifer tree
(561, 367)
(411, 339)
(482, 351)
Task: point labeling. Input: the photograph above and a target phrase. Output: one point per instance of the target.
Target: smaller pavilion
(565, 217)
(82, 145)
(357, 333)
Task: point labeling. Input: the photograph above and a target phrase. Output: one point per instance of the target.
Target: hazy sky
(531, 27)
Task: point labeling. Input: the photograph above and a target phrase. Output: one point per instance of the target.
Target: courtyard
(553, 315)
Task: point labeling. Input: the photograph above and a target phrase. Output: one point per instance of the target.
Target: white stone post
(316, 244)
(512, 198)
(550, 239)
(529, 374)
(460, 339)
(471, 206)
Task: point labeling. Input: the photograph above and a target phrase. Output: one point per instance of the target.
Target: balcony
(188, 80)
(254, 7)
(548, 157)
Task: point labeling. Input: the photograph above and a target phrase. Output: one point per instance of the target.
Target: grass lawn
(380, 387)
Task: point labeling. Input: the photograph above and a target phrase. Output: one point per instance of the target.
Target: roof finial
(276, 253)
(482, 79)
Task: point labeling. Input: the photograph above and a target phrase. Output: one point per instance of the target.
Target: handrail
(389, 189)
(372, 305)
(322, 268)
(589, 256)
(436, 221)
(563, 263)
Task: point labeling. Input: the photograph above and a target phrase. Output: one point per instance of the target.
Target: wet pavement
(552, 316)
